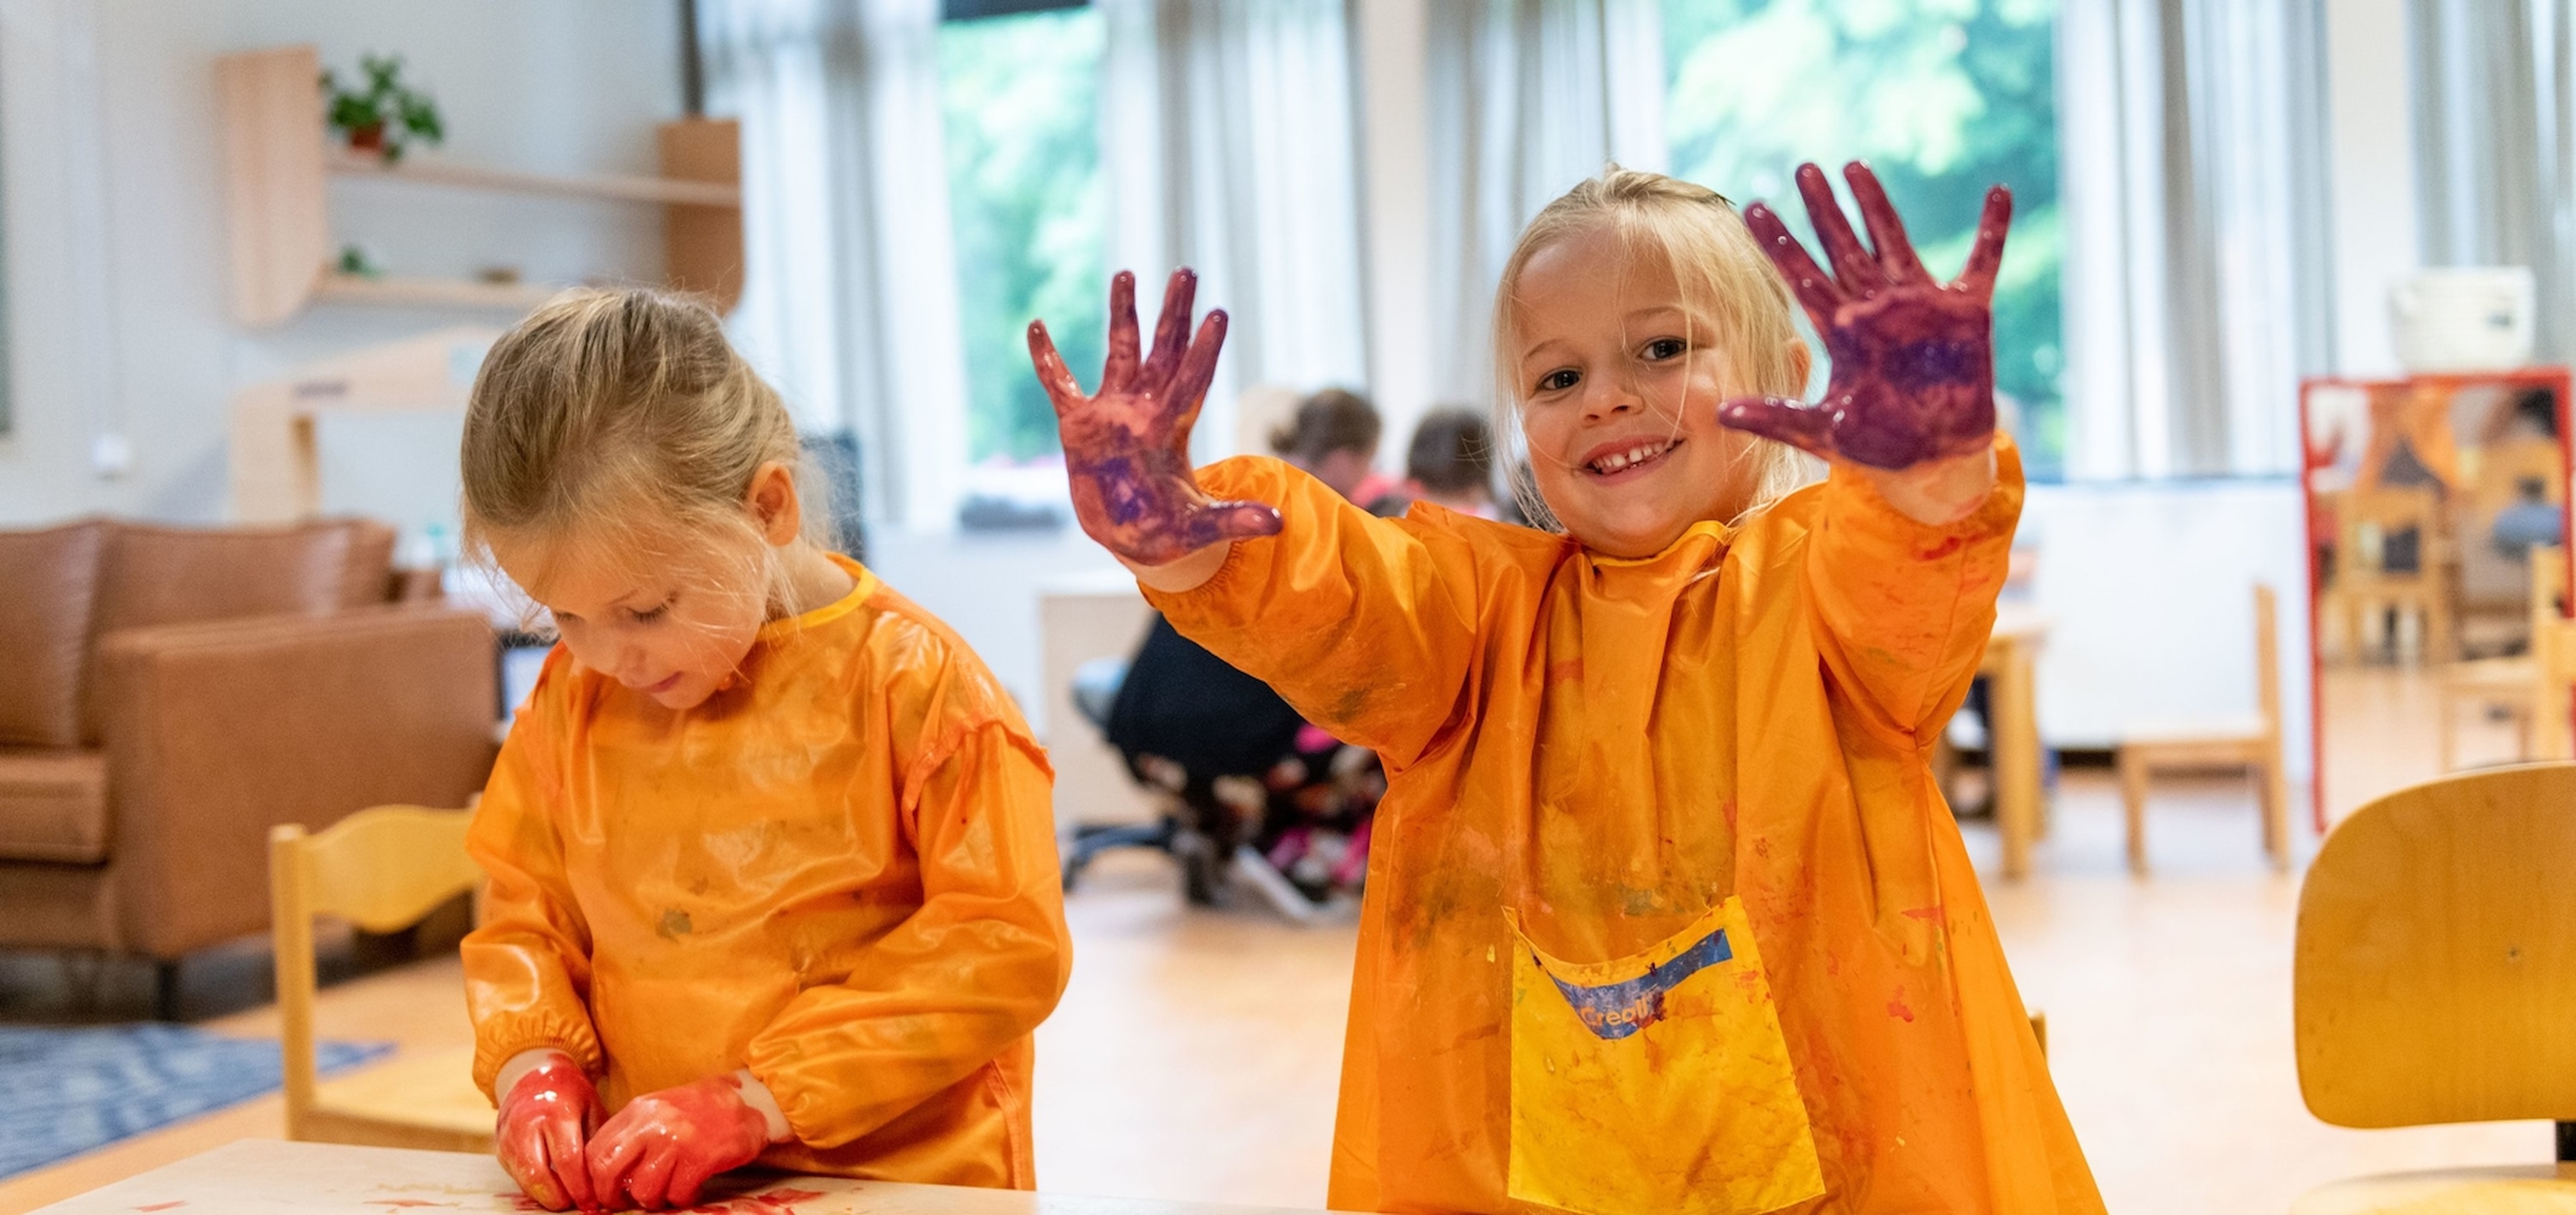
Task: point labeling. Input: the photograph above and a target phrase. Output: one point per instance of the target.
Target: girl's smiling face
(1619, 382)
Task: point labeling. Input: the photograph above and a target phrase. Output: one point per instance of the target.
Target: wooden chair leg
(2133, 798)
(2447, 730)
(2272, 790)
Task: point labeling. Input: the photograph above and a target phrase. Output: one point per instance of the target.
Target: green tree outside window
(1942, 97)
(1019, 105)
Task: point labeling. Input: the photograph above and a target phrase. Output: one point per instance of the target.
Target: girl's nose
(630, 664)
(1607, 398)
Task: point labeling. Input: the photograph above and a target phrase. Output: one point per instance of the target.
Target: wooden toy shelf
(431, 171)
(278, 161)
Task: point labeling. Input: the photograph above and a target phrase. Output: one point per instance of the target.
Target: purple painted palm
(1127, 446)
(1914, 375)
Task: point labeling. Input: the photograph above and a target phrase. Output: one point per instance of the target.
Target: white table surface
(272, 1177)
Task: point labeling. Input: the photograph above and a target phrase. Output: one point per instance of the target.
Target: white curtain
(850, 286)
(1228, 139)
(2196, 280)
(2494, 102)
(1526, 98)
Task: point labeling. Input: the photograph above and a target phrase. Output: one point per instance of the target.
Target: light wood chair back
(2548, 583)
(381, 869)
(2436, 955)
(2267, 660)
(2253, 744)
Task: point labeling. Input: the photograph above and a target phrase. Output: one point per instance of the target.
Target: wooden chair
(2252, 743)
(380, 869)
(2553, 645)
(2434, 967)
(2513, 682)
(2366, 521)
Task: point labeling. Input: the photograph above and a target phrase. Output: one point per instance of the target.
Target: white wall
(2150, 586)
(110, 162)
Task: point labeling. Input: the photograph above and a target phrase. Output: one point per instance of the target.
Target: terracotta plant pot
(369, 138)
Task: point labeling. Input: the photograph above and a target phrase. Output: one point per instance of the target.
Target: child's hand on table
(1912, 400)
(660, 1150)
(1127, 447)
(548, 1111)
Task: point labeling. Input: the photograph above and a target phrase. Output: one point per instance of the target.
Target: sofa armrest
(215, 732)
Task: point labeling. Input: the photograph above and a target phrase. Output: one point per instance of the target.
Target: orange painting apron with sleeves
(1665, 913)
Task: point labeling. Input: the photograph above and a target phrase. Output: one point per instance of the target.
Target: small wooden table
(270, 1177)
(2012, 730)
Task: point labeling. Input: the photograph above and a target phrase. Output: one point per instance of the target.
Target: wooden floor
(1195, 1055)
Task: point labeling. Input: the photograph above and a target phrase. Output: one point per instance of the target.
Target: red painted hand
(1914, 377)
(660, 1150)
(1127, 447)
(545, 1120)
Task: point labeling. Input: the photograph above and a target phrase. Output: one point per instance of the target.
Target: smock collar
(1701, 543)
(863, 584)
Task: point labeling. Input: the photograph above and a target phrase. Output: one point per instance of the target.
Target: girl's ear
(773, 505)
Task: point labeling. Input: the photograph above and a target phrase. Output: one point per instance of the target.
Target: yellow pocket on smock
(1657, 1083)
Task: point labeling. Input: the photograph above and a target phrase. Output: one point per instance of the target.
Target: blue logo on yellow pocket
(1616, 1010)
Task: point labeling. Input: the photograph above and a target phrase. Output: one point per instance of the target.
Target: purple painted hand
(1127, 447)
(1914, 377)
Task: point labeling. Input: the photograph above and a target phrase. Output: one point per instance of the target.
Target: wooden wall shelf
(474, 177)
(278, 161)
(431, 292)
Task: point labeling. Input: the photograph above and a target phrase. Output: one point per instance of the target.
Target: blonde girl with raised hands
(1665, 913)
(772, 858)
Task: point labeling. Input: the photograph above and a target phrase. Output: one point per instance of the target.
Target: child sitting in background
(1449, 463)
(1246, 769)
(1333, 436)
(1665, 914)
(772, 857)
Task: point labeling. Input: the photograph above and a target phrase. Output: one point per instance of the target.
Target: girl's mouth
(669, 682)
(1618, 462)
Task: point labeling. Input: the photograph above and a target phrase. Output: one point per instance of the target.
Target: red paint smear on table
(163, 1206)
(773, 1202)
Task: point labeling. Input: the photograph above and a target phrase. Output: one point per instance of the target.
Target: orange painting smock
(840, 872)
(1595, 763)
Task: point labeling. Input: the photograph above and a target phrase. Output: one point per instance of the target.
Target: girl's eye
(1559, 381)
(648, 617)
(1664, 348)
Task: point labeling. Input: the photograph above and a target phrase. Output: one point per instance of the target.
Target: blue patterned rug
(65, 1091)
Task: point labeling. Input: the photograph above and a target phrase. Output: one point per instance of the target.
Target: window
(1018, 97)
(1942, 97)
(7, 419)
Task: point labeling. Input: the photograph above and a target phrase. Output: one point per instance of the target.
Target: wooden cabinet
(278, 160)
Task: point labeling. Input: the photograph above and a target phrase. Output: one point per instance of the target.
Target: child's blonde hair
(623, 421)
(1724, 275)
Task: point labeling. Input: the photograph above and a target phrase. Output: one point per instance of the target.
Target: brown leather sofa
(168, 694)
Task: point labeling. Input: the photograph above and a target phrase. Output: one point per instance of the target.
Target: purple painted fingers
(1127, 446)
(1913, 360)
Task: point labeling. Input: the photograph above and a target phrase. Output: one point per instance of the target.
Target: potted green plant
(383, 115)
